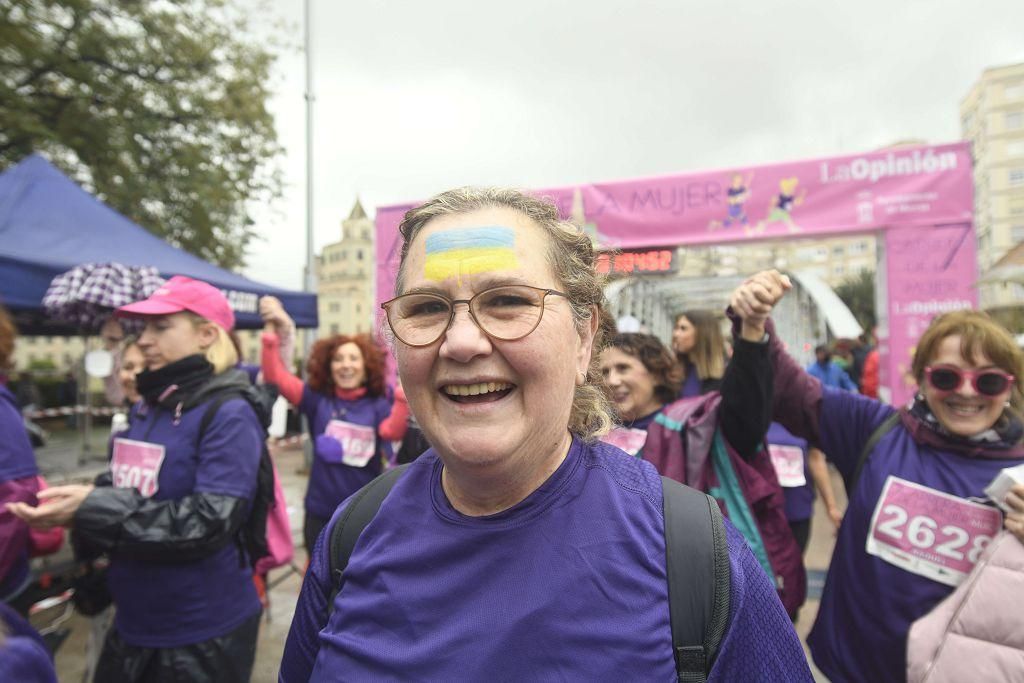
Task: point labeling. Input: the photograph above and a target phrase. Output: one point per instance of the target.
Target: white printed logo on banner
(930, 533)
(358, 442)
(136, 465)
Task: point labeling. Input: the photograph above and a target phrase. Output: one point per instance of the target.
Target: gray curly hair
(572, 258)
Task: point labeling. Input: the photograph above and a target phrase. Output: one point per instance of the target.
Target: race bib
(358, 442)
(930, 533)
(788, 462)
(627, 438)
(136, 465)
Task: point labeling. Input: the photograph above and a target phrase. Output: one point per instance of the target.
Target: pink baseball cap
(182, 293)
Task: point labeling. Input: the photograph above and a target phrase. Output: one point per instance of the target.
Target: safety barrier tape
(74, 410)
(106, 411)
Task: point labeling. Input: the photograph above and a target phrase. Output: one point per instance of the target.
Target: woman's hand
(273, 314)
(1015, 518)
(57, 506)
(754, 300)
(835, 515)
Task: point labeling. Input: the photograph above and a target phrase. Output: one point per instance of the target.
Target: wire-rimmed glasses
(508, 313)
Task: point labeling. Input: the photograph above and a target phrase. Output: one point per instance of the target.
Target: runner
(641, 377)
(170, 511)
(697, 341)
(518, 547)
(18, 479)
(350, 415)
(914, 527)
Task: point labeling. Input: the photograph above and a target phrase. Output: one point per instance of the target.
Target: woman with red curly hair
(350, 415)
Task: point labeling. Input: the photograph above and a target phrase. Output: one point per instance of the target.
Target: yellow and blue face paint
(459, 253)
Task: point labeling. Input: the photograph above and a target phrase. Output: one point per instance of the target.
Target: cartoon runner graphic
(736, 196)
(781, 206)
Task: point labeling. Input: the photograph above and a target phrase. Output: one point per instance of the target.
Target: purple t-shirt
(175, 604)
(332, 481)
(16, 457)
(568, 584)
(23, 656)
(869, 604)
(799, 499)
(691, 385)
(17, 461)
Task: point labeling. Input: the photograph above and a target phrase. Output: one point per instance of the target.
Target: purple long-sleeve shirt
(568, 584)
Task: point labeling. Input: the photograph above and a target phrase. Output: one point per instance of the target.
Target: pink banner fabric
(929, 270)
(921, 188)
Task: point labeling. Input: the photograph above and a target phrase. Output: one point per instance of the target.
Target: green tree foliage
(858, 293)
(156, 106)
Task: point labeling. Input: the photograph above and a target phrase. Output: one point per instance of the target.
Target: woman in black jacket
(170, 511)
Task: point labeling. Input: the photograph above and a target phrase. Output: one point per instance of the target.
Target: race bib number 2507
(929, 532)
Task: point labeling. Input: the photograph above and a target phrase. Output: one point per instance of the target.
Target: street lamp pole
(309, 285)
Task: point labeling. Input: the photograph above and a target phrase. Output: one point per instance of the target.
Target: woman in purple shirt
(18, 480)
(170, 511)
(23, 655)
(914, 525)
(518, 547)
(346, 401)
(697, 341)
(641, 377)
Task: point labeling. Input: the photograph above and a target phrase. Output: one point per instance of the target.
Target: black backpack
(252, 537)
(697, 561)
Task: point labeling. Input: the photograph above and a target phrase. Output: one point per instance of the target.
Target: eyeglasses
(949, 378)
(507, 313)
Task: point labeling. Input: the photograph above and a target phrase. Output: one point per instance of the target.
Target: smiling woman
(914, 528)
(641, 376)
(350, 412)
(518, 524)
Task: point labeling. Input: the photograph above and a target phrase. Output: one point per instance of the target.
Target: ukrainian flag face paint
(521, 392)
(461, 253)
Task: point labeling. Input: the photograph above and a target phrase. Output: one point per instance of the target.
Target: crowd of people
(529, 528)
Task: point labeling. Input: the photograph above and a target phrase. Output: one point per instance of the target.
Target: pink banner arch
(918, 199)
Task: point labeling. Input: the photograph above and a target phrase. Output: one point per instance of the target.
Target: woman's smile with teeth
(965, 409)
(475, 389)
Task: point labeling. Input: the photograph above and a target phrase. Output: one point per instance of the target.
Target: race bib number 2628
(929, 532)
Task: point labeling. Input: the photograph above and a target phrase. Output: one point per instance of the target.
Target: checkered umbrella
(86, 295)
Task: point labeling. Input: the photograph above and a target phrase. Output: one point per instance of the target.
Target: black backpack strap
(876, 436)
(213, 407)
(364, 506)
(251, 538)
(699, 580)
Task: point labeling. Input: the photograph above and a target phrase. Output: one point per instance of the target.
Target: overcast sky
(414, 97)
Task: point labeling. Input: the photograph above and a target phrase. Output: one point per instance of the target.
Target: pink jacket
(977, 633)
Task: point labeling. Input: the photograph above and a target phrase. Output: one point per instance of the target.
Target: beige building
(62, 352)
(992, 118)
(345, 276)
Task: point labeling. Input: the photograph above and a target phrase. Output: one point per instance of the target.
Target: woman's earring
(581, 379)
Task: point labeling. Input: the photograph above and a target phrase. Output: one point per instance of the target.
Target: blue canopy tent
(48, 224)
